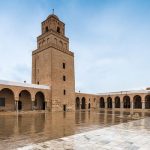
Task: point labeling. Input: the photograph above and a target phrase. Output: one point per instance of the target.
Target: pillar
(16, 105)
(131, 107)
(121, 105)
(33, 104)
(106, 105)
(46, 105)
(113, 105)
(143, 108)
(121, 108)
(143, 105)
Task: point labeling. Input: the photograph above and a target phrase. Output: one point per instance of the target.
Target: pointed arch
(39, 101)
(126, 101)
(117, 102)
(7, 99)
(137, 102)
(147, 102)
(109, 102)
(25, 102)
(101, 103)
(77, 103)
(83, 104)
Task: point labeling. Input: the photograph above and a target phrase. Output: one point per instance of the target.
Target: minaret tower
(53, 64)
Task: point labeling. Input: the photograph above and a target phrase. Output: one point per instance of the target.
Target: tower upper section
(52, 23)
(53, 33)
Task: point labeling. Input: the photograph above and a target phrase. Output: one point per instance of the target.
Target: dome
(54, 16)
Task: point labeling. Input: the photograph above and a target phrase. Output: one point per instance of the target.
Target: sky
(110, 40)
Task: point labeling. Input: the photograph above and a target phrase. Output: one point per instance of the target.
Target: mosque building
(53, 81)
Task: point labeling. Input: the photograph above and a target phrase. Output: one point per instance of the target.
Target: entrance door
(19, 105)
(64, 107)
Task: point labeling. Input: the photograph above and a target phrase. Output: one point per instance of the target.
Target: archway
(101, 103)
(109, 102)
(117, 102)
(39, 101)
(77, 103)
(7, 101)
(25, 100)
(83, 103)
(137, 102)
(126, 102)
(147, 102)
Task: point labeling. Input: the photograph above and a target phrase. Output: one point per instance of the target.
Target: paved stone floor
(134, 135)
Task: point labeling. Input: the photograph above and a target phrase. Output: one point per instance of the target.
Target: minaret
(53, 64)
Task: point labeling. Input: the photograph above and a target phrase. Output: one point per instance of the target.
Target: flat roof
(11, 83)
(125, 92)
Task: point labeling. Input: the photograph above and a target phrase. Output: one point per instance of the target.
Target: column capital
(33, 99)
(16, 98)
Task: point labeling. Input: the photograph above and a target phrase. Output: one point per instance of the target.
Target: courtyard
(97, 129)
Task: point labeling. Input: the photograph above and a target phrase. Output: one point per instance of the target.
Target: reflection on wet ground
(17, 131)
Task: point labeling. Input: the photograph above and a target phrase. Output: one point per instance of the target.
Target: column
(121, 105)
(121, 108)
(113, 105)
(46, 105)
(113, 111)
(105, 105)
(33, 105)
(131, 108)
(16, 105)
(143, 108)
(143, 105)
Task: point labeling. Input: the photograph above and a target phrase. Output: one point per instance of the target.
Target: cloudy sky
(110, 39)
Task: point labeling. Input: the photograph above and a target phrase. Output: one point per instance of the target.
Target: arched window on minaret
(43, 42)
(58, 29)
(46, 29)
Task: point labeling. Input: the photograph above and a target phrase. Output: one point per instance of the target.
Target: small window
(64, 65)
(64, 78)
(46, 29)
(38, 82)
(58, 29)
(2, 102)
(64, 92)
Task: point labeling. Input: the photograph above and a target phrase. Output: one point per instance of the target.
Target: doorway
(89, 106)
(64, 107)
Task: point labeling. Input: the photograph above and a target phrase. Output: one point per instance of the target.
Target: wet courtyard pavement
(31, 129)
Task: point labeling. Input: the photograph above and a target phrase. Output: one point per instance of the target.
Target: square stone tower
(53, 64)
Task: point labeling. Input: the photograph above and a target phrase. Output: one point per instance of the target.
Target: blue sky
(110, 39)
